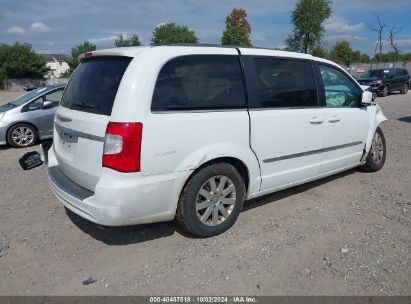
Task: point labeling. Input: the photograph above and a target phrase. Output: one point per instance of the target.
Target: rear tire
(376, 157)
(211, 200)
(22, 135)
(404, 89)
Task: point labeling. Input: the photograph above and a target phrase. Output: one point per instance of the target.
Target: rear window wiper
(85, 105)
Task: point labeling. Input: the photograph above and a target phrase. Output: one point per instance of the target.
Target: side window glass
(284, 83)
(199, 82)
(35, 104)
(55, 97)
(340, 91)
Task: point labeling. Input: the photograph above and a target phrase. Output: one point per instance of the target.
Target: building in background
(57, 63)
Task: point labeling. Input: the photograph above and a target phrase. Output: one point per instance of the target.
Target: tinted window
(27, 97)
(340, 91)
(284, 83)
(199, 82)
(93, 86)
(55, 96)
(375, 73)
(34, 105)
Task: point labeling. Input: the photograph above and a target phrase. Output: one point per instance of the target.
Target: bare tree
(394, 31)
(379, 29)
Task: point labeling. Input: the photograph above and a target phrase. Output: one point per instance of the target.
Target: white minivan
(149, 134)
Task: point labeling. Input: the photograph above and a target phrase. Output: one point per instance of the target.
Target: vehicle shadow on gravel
(405, 119)
(126, 235)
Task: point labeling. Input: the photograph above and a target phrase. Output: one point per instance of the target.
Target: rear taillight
(122, 146)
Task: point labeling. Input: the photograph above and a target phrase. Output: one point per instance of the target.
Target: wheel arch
(21, 122)
(377, 118)
(235, 162)
(241, 167)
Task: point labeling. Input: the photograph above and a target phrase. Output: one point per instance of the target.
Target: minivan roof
(134, 51)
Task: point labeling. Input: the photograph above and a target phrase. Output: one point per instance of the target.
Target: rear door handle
(334, 119)
(316, 121)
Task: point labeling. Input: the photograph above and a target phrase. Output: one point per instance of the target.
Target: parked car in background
(30, 117)
(385, 81)
(29, 87)
(149, 134)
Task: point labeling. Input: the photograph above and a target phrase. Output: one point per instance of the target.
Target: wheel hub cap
(23, 136)
(377, 149)
(215, 201)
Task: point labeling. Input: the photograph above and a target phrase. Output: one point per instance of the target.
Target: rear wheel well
(235, 162)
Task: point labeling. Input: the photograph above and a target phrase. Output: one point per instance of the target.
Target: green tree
(387, 57)
(20, 61)
(237, 30)
(320, 52)
(342, 52)
(364, 58)
(122, 42)
(405, 57)
(170, 33)
(76, 51)
(308, 18)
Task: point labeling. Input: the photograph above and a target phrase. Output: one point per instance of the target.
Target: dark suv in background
(385, 81)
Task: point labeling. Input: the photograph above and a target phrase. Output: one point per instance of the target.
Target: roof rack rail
(201, 45)
(222, 46)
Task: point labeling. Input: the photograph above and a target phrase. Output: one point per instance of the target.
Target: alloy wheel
(377, 148)
(385, 90)
(23, 136)
(215, 201)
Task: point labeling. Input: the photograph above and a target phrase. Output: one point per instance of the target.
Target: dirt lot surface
(344, 235)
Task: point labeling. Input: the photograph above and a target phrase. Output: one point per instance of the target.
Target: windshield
(93, 86)
(376, 73)
(27, 97)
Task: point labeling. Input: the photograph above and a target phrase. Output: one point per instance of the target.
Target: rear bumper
(119, 199)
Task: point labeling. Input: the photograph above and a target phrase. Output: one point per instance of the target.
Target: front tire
(211, 200)
(385, 91)
(376, 157)
(22, 135)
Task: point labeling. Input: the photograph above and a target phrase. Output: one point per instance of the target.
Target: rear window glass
(94, 84)
(199, 82)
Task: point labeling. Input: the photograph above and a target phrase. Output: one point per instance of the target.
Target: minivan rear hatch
(82, 117)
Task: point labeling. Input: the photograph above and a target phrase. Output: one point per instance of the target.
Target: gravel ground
(344, 235)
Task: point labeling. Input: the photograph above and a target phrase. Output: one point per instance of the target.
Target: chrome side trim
(274, 159)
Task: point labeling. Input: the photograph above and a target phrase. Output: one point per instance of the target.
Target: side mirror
(366, 98)
(47, 104)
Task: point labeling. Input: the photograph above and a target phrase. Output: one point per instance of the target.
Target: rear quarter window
(93, 86)
(199, 82)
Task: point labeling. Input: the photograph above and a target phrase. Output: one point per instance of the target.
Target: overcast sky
(54, 26)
